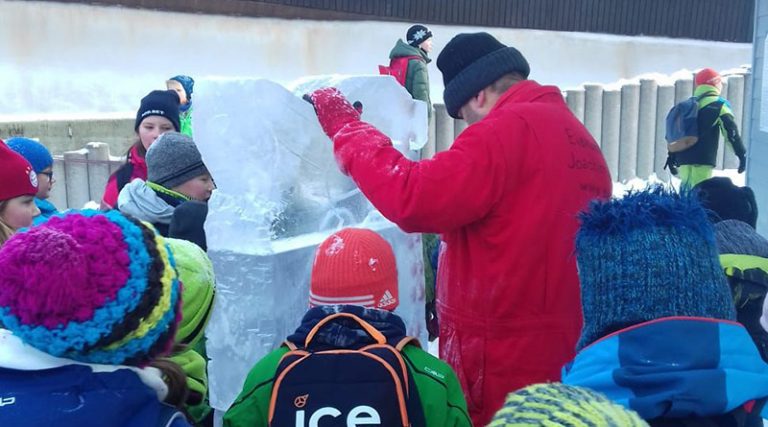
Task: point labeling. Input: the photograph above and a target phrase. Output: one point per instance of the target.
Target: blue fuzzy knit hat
(35, 153)
(649, 255)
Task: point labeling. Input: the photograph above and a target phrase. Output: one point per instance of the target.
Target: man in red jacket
(505, 198)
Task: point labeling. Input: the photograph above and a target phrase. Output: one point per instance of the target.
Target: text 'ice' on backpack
(682, 122)
(324, 387)
(398, 68)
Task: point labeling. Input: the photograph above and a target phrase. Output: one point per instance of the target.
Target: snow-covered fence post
(646, 132)
(76, 171)
(683, 90)
(610, 130)
(443, 128)
(747, 111)
(98, 169)
(429, 150)
(575, 100)
(630, 105)
(736, 99)
(593, 111)
(665, 100)
(59, 193)
(458, 127)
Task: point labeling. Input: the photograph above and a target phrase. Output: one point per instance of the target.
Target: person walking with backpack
(408, 63)
(157, 114)
(350, 357)
(505, 198)
(694, 160)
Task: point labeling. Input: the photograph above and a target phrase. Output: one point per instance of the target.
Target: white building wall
(57, 57)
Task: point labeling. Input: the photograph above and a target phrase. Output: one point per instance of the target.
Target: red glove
(333, 110)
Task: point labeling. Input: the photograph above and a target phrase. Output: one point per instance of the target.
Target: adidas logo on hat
(387, 299)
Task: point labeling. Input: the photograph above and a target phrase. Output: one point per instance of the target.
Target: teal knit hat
(556, 405)
(648, 255)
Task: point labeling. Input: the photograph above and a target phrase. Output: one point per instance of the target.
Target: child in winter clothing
(695, 163)
(196, 274)
(660, 335)
(556, 404)
(157, 114)
(183, 86)
(369, 289)
(743, 252)
(175, 174)
(42, 162)
(416, 51)
(18, 187)
(87, 301)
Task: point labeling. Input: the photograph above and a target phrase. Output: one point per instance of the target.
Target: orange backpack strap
(291, 346)
(405, 341)
(373, 332)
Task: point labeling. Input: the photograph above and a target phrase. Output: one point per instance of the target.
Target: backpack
(682, 122)
(316, 386)
(398, 68)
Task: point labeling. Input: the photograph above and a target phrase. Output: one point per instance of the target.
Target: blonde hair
(5, 230)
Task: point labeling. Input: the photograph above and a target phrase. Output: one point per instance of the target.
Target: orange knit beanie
(357, 267)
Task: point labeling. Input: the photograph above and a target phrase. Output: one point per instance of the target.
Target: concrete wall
(65, 58)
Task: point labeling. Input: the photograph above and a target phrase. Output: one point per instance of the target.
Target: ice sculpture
(280, 193)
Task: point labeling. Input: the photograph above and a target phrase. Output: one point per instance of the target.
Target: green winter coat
(185, 120)
(417, 76)
(439, 391)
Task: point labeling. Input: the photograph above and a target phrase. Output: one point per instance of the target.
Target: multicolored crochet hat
(92, 287)
(555, 404)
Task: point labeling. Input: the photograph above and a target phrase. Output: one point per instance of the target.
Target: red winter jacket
(505, 198)
(138, 171)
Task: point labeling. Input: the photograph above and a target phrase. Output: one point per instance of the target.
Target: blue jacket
(37, 389)
(47, 210)
(675, 367)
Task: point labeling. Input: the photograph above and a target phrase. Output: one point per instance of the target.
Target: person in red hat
(354, 276)
(695, 162)
(18, 187)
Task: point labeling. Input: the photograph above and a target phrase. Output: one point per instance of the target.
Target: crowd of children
(103, 313)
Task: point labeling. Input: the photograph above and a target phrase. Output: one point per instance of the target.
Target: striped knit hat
(555, 404)
(354, 266)
(92, 287)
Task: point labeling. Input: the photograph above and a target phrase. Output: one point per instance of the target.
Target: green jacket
(185, 120)
(417, 76)
(439, 391)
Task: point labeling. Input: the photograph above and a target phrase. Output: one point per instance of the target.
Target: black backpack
(323, 387)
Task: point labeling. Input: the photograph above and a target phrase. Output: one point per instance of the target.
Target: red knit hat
(354, 266)
(707, 76)
(16, 175)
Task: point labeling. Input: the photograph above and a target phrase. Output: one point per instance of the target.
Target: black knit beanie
(726, 200)
(417, 35)
(471, 62)
(163, 103)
